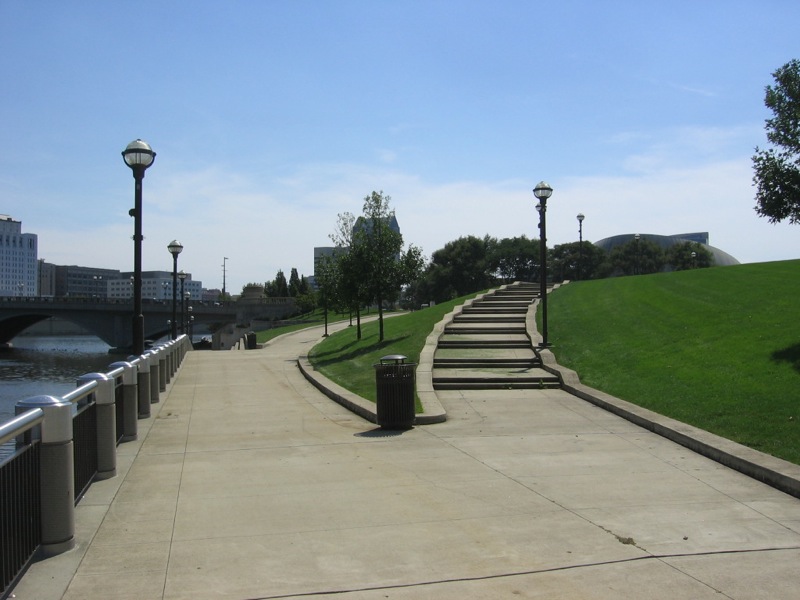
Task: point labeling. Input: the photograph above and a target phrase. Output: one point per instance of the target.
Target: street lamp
(174, 248)
(543, 191)
(636, 262)
(580, 244)
(224, 262)
(138, 155)
(182, 277)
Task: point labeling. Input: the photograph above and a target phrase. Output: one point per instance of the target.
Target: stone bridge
(111, 320)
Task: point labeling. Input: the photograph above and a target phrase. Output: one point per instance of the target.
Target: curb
(434, 413)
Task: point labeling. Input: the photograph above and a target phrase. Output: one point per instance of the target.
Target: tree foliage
(637, 257)
(579, 260)
(277, 288)
(297, 287)
(513, 259)
(371, 265)
(461, 267)
(688, 255)
(777, 169)
(326, 277)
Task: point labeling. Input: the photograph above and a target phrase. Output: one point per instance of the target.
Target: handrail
(79, 393)
(20, 424)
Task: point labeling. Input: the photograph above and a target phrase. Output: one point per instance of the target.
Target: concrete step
(489, 318)
(486, 346)
(465, 329)
(485, 379)
(495, 310)
(482, 341)
(476, 362)
(488, 343)
(517, 299)
(495, 385)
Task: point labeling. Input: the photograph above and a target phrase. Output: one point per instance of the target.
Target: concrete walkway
(248, 483)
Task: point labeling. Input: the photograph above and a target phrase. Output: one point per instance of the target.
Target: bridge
(111, 320)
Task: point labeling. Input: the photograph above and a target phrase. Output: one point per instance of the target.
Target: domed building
(721, 258)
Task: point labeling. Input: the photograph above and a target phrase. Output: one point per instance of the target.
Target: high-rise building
(19, 253)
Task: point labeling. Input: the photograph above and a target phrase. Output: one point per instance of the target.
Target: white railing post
(57, 473)
(106, 424)
(130, 401)
(142, 384)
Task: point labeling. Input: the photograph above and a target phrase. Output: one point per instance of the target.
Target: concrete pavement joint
(418, 584)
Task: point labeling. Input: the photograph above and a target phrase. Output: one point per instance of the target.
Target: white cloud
(684, 183)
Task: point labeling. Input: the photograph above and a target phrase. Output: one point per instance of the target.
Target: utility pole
(224, 261)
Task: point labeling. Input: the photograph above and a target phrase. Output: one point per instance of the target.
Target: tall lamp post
(174, 248)
(543, 191)
(224, 262)
(188, 298)
(636, 262)
(580, 245)
(138, 155)
(182, 277)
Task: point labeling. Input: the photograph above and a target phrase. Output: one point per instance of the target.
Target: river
(48, 365)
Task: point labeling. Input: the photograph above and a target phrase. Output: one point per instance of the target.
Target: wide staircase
(487, 345)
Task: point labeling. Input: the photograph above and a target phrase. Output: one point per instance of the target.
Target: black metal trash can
(395, 381)
(250, 339)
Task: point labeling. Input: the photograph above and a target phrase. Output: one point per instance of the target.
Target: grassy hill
(716, 348)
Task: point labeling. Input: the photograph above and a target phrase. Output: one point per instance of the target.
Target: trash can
(394, 379)
(250, 339)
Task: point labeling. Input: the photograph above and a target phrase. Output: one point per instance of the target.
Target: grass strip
(349, 362)
(716, 348)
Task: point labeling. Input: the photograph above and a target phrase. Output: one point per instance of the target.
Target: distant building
(156, 285)
(74, 281)
(212, 295)
(321, 252)
(47, 279)
(721, 258)
(366, 224)
(330, 251)
(19, 255)
(82, 282)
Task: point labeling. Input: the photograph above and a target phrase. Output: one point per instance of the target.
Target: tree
(513, 259)
(637, 257)
(579, 260)
(294, 283)
(326, 276)
(777, 170)
(460, 268)
(350, 291)
(688, 255)
(280, 287)
(377, 249)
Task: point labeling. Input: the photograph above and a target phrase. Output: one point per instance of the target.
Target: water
(48, 365)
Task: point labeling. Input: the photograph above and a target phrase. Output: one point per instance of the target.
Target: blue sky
(271, 117)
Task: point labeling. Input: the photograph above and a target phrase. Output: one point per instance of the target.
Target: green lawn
(349, 362)
(315, 318)
(716, 348)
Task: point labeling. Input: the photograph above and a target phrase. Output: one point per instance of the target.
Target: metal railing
(20, 521)
(64, 444)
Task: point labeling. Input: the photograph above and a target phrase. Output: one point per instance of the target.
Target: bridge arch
(111, 320)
